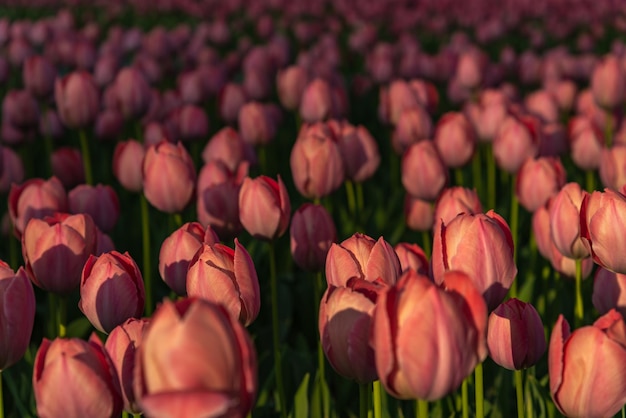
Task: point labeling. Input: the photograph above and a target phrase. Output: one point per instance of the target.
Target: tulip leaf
(301, 400)
(79, 328)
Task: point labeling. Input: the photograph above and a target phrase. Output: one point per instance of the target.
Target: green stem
(145, 235)
(529, 398)
(377, 396)
(319, 290)
(62, 315)
(590, 177)
(278, 367)
(458, 177)
(178, 219)
(476, 175)
(608, 130)
(125, 414)
(491, 178)
(514, 227)
(426, 243)
(137, 416)
(84, 148)
(364, 399)
(519, 390)
(465, 397)
(360, 202)
(1, 398)
(579, 309)
(422, 408)
(478, 379)
(351, 197)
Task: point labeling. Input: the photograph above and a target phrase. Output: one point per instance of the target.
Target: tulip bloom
(222, 275)
(363, 257)
(587, 367)
(418, 213)
(449, 325)
(18, 314)
(74, 378)
(424, 174)
(412, 257)
(455, 139)
(516, 141)
(515, 335)
(264, 207)
(480, 245)
(414, 125)
(609, 291)
(77, 99)
(215, 373)
(538, 180)
(36, 198)
(453, 201)
(132, 93)
(565, 224)
(169, 177)
(608, 82)
(100, 202)
(127, 161)
(311, 233)
(359, 151)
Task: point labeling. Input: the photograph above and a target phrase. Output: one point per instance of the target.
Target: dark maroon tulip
(100, 202)
(312, 232)
(232, 98)
(77, 99)
(39, 75)
(109, 125)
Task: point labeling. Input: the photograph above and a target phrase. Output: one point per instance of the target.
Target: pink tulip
(359, 150)
(414, 125)
(168, 176)
(132, 93)
(12, 169)
(515, 335)
(36, 198)
(111, 290)
(256, 125)
(565, 224)
(481, 246)
(20, 110)
(517, 140)
(586, 142)
(38, 75)
(608, 82)
(612, 167)
(587, 367)
(264, 207)
(100, 202)
(290, 84)
(470, 69)
(216, 370)
(192, 123)
(77, 99)
(312, 232)
(127, 162)
(424, 174)
(227, 146)
(18, 315)
(543, 105)
(538, 180)
(412, 257)
(121, 345)
(231, 99)
(363, 257)
(454, 201)
(177, 251)
(418, 213)
(316, 102)
(449, 325)
(75, 378)
(455, 139)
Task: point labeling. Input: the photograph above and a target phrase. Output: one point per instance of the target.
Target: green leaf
(301, 400)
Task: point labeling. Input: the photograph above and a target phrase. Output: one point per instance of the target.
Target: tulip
(414, 125)
(290, 84)
(256, 124)
(449, 325)
(470, 68)
(423, 173)
(193, 123)
(77, 99)
(345, 318)
(38, 75)
(480, 245)
(316, 102)
(216, 375)
(222, 275)
(418, 213)
(515, 335)
(454, 201)
(229, 148)
(74, 378)
(538, 180)
(516, 141)
(36, 198)
(109, 125)
(587, 367)
(312, 232)
(543, 105)
(602, 228)
(455, 139)
(168, 176)
(18, 314)
(231, 99)
(111, 290)
(264, 207)
(100, 202)
(586, 142)
(612, 169)
(316, 162)
(363, 257)
(50, 124)
(608, 82)
(20, 109)
(121, 345)
(359, 151)
(398, 97)
(412, 257)
(487, 115)
(127, 162)
(565, 224)
(132, 92)
(177, 251)
(12, 169)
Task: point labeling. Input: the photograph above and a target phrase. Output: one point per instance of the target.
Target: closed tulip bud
(515, 335)
(132, 92)
(100, 202)
(418, 213)
(109, 125)
(222, 275)
(345, 319)
(414, 125)
(20, 109)
(192, 123)
(290, 84)
(217, 375)
(359, 151)
(450, 326)
(264, 207)
(228, 147)
(480, 245)
(516, 141)
(312, 232)
(67, 166)
(50, 124)
(609, 291)
(587, 367)
(122, 345)
(18, 314)
(127, 162)
(565, 223)
(177, 251)
(168, 177)
(608, 82)
(602, 228)
(35, 198)
(399, 97)
(105, 69)
(543, 105)
(424, 174)
(612, 168)
(38, 75)
(191, 88)
(12, 169)
(256, 125)
(77, 99)
(316, 162)
(455, 139)
(231, 99)
(111, 290)
(75, 378)
(362, 257)
(412, 257)
(453, 201)
(470, 68)
(55, 250)
(538, 180)
(316, 102)
(487, 115)
(586, 142)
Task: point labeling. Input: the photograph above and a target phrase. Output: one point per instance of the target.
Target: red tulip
(77, 99)
(312, 232)
(264, 207)
(449, 325)
(515, 335)
(18, 315)
(588, 367)
(100, 202)
(74, 378)
(215, 373)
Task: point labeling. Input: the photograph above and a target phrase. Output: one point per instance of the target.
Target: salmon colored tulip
(454, 201)
(77, 99)
(418, 213)
(424, 174)
(538, 180)
(264, 207)
(609, 291)
(35, 198)
(565, 224)
(455, 139)
(608, 82)
(412, 257)
(127, 161)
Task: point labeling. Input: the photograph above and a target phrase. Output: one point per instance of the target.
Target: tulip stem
(608, 130)
(377, 399)
(478, 380)
(422, 408)
(319, 290)
(426, 243)
(364, 399)
(465, 397)
(145, 234)
(1, 398)
(519, 391)
(278, 369)
(579, 311)
(360, 203)
(491, 178)
(178, 219)
(351, 197)
(62, 315)
(458, 177)
(84, 147)
(476, 174)
(514, 219)
(590, 177)
(125, 414)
